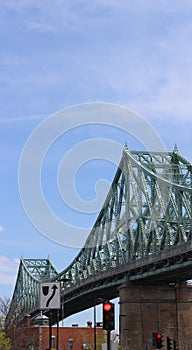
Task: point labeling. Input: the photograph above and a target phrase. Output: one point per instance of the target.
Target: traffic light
(169, 343)
(176, 347)
(157, 340)
(108, 316)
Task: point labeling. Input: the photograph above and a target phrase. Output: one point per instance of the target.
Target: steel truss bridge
(142, 235)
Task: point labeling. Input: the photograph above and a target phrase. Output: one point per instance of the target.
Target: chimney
(27, 320)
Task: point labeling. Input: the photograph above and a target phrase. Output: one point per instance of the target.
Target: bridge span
(141, 238)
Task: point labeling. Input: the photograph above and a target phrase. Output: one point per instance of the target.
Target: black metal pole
(95, 340)
(50, 333)
(57, 329)
(108, 340)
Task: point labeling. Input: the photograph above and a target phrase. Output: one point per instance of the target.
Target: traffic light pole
(108, 340)
(57, 330)
(50, 331)
(95, 339)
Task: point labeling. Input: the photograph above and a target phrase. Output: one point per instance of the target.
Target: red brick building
(38, 337)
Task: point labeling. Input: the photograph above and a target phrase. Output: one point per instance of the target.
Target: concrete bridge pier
(145, 309)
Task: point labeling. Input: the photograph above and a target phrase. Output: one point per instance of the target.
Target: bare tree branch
(4, 306)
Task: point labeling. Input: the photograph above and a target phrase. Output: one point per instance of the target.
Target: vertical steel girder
(148, 209)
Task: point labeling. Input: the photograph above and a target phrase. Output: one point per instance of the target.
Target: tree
(5, 343)
(101, 339)
(4, 307)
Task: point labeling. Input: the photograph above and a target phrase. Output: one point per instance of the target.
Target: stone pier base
(145, 309)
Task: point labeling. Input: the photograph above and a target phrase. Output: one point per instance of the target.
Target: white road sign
(49, 295)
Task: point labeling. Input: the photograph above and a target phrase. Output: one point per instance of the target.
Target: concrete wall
(145, 309)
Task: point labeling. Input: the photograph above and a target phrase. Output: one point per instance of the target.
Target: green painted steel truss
(26, 293)
(148, 209)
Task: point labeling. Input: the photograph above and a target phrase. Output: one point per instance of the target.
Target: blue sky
(59, 53)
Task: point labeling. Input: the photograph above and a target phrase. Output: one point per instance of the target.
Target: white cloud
(138, 55)
(53, 15)
(8, 270)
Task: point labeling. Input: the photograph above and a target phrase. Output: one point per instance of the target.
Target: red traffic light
(107, 306)
(157, 340)
(108, 316)
(159, 336)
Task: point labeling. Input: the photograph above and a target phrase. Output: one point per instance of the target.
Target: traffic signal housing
(169, 343)
(108, 316)
(175, 343)
(157, 340)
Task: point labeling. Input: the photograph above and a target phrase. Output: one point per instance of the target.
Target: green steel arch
(147, 210)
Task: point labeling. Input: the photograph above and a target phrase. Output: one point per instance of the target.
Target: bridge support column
(145, 309)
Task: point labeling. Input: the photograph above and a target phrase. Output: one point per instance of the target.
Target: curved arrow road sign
(49, 295)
